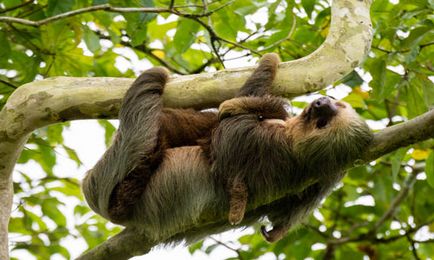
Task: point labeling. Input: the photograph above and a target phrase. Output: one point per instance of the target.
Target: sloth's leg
(238, 200)
(138, 148)
(259, 83)
(292, 209)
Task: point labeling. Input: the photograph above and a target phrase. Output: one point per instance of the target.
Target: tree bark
(59, 99)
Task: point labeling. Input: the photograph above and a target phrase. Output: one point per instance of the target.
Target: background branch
(391, 138)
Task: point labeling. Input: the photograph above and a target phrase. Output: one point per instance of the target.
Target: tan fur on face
(299, 129)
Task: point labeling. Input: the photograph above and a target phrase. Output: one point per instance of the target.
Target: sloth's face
(318, 114)
(322, 116)
(322, 111)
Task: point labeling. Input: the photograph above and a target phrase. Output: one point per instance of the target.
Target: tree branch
(126, 244)
(2, 11)
(408, 183)
(103, 7)
(7, 83)
(391, 138)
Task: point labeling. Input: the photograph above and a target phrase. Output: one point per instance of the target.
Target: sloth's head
(329, 130)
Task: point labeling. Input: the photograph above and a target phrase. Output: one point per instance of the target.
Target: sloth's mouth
(322, 111)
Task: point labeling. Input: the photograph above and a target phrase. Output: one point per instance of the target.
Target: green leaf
(54, 134)
(81, 210)
(356, 101)
(415, 101)
(72, 155)
(137, 23)
(353, 79)
(396, 160)
(308, 6)
(30, 219)
(227, 23)
(416, 36)
(56, 7)
(91, 40)
(211, 248)
(196, 246)
(50, 209)
(59, 250)
(11, 3)
(5, 49)
(185, 34)
(109, 131)
(384, 81)
(159, 31)
(429, 169)
(99, 2)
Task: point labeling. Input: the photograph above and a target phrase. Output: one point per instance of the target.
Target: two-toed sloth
(172, 172)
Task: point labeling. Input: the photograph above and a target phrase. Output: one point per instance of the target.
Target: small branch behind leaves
(237, 251)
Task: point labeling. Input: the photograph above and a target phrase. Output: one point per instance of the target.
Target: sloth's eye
(260, 117)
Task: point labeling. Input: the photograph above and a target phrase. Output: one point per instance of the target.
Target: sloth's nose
(324, 107)
(321, 102)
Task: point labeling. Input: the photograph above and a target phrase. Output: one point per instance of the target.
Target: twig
(203, 66)
(291, 31)
(31, 11)
(15, 7)
(424, 241)
(329, 252)
(215, 50)
(338, 211)
(237, 251)
(240, 46)
(408, 183)
(103, 7)
(172, 2)
(7, 83)
(413, 247)
(143, 49)
(401, 51)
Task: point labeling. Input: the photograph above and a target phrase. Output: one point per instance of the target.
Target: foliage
(382, 209)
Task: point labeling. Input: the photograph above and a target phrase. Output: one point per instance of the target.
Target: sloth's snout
(321, 102)
(324, 107)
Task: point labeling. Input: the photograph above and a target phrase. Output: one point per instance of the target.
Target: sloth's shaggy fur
(168, 169)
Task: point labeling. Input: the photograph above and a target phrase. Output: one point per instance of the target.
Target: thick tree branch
(401, 135)
(126, 244)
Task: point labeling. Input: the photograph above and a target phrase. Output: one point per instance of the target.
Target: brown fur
(168, 168)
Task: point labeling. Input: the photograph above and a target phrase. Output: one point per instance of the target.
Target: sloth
(182, 174)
